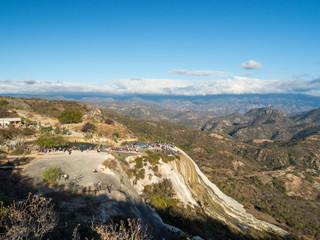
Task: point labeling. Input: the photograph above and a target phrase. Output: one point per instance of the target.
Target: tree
(51, 140)
(70, 115)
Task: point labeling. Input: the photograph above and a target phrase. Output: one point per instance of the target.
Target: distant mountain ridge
(209, 105)
(153, 112)
(266, 123)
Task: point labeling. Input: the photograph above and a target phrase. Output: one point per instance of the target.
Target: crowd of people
(139, 147)
(97, 148)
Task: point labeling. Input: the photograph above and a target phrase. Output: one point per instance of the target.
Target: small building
(4, 122)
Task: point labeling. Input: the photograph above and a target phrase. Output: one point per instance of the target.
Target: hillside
(153, 112)
(271, 179)
(191, 111)
(266, 123)
(259, 175)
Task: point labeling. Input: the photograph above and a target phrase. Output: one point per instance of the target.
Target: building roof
(10, 119)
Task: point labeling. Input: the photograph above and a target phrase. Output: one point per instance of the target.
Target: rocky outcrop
(220, 205)
(193, 188)
(265, 123)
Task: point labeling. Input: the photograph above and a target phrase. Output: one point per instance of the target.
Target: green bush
(65, 132)
(141, 139)
(139, 162)
(52, 174)
(116, 134)
(279, 185)
(3, 102)
(51, 140)
(70, 115)
(140, 174)
(45, 129)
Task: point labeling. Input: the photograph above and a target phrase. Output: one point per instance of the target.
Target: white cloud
(251, 65)
(30, 86)
(200, 73)
(232, 85)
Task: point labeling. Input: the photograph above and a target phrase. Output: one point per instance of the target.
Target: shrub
(74, 184)
(30, 219)
(70, 115)
(3, 102)
(52, 174)
(88, 127)
(20, 149)
(279, 185)
(141, 139)
(116, 134)
(133, 230)
(45, 129)
(51, 140)
(111, 164)
(3, 112)
(2, 156)
(109, 121)
(164, 187)
(88, 136)
(139, 163)
(140, 174)
(57, 129)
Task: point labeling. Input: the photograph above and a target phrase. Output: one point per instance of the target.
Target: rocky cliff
(194, 189)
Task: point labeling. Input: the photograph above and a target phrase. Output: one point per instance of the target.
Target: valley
(274, 185)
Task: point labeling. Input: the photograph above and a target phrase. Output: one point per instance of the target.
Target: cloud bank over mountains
(230, 85)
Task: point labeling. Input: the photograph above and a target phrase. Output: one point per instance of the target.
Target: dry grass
(111, 164)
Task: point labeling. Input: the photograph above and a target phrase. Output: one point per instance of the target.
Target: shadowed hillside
(265, 123)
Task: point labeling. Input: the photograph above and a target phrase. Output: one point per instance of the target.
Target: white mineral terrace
(233, 208)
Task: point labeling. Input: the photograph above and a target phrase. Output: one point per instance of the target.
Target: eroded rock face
(193, 188)
(94, 113)
(220, 205)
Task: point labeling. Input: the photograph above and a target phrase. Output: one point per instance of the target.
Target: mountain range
(266, 123)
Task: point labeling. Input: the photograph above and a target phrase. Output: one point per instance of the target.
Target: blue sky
(162, 47)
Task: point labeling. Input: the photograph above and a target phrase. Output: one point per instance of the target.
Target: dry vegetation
(111, 164)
